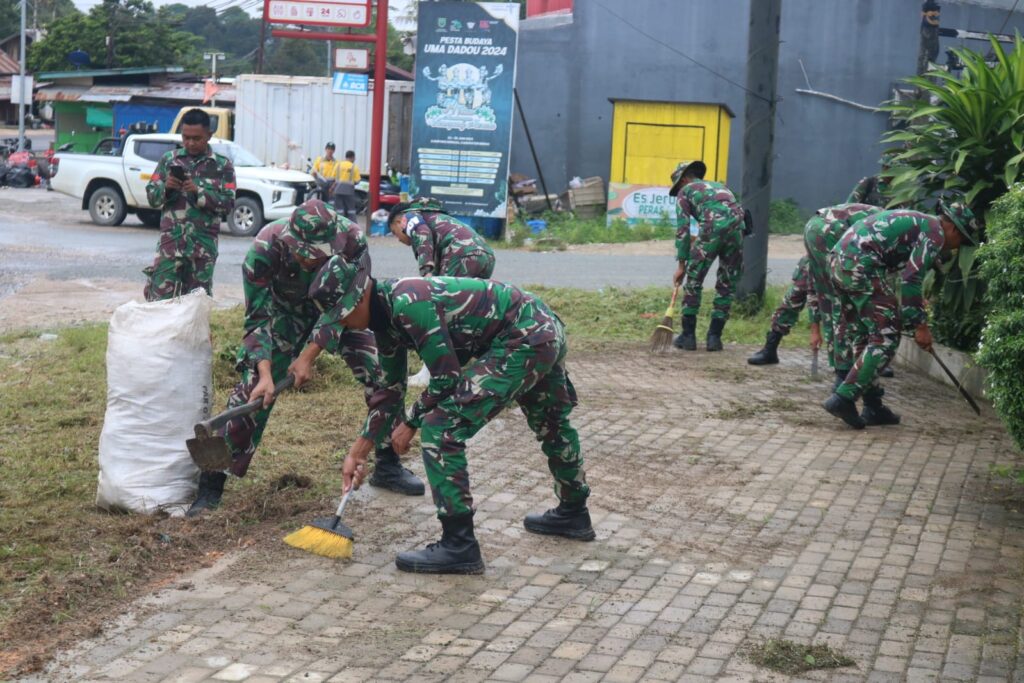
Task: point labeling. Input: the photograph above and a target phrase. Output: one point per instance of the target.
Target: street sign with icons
(341, 13)
(351, 59)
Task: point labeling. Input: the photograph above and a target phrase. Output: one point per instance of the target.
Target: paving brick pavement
(728, 507)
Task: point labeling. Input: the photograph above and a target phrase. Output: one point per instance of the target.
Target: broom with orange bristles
(662, 337)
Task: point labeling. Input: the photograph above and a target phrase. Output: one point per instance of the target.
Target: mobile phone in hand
(179, 173)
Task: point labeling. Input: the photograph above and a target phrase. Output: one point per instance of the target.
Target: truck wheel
(106, 207)
(149, 217)
(246, 218)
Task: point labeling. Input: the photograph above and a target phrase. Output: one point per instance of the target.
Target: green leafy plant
(964, 134)
(785, 217)
(1002, 341)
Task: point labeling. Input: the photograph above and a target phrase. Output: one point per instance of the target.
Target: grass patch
(792, 658)
(785, 217)
(64, 564)
(564, 228)
(614, 314)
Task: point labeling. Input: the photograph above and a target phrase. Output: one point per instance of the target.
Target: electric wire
(1008, 15)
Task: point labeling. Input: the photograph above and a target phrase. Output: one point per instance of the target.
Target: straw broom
(326, 536)
(662, 337)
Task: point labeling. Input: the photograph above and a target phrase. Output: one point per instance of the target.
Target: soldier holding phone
(194, 189)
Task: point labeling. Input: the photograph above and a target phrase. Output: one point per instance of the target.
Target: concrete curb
(973, 377)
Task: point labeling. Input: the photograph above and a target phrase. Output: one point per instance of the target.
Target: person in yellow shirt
(325, 170)
(345, 188)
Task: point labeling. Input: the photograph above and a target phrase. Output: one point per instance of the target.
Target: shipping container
(289, 119)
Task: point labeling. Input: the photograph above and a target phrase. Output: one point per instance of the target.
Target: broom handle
(341, 509)
(672, 306)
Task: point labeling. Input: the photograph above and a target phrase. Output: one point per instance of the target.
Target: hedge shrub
(1002, 342)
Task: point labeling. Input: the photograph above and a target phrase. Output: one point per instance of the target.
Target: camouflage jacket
(449, 321)
(837, 220)
(873, 190)
(275, 285)
(895, 241)
(201, 211)
(712, 205)
(437, 238)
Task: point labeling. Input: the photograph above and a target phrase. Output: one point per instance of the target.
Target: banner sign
(463, 104)
(345, 83)
(640, 204)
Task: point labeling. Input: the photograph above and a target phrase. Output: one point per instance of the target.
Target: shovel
(814, 364)
(210, 452)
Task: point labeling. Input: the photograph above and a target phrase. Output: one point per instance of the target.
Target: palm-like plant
(965, 134)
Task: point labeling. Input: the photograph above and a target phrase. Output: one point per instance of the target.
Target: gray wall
(855, 49)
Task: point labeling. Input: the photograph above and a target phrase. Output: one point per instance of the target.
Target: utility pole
(759, 138)
(263, 42)
(21, 82)
(213, 57)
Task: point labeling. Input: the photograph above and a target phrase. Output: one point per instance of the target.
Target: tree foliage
(141, 36)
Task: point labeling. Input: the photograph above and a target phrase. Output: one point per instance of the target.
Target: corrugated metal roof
(191, 92)
(113, 93)
(8, 65)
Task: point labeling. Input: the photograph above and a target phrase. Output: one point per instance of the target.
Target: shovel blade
(209, 454)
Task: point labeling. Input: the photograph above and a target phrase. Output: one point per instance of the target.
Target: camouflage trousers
(788, 312)
(478, 264)
(243, 434)
(534, 378)
(184, 261)
(821, 288)
(868, 323)
(724, 241)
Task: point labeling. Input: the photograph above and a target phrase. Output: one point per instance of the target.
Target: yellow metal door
(649, 139)
(654, 150)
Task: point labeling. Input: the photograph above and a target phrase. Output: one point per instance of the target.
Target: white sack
(159, 384)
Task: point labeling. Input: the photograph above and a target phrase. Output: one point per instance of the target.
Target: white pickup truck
(111, 182)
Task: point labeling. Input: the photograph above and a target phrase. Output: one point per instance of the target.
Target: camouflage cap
(311, 229)
(698, 168)
(339, 285)
(962, 217)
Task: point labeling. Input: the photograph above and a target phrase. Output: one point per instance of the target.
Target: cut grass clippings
(65, 565)
(787, 657)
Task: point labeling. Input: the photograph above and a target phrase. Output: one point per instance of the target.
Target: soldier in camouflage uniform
(711, 211)
(285, 331)
(442, 244)
(863, 265)
(191, 211)
(488, 345)
(874, 190)
(811, 284)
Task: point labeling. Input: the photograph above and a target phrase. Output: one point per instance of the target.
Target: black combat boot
(845, 410)
(388, 473)
(769, 354)
(456, 553)
(211, 488)
(569, 520)
(875, 414)
(687, 339)
(887, 372)
(715, 334)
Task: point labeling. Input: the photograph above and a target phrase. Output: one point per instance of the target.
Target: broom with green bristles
(326, 536)
(662, 337)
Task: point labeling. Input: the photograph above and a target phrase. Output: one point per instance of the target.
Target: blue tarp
(127, 113)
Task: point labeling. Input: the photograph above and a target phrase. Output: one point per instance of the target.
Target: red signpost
(343, 14)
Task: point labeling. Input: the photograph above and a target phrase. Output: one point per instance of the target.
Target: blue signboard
(350, 84)
(463, 104)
